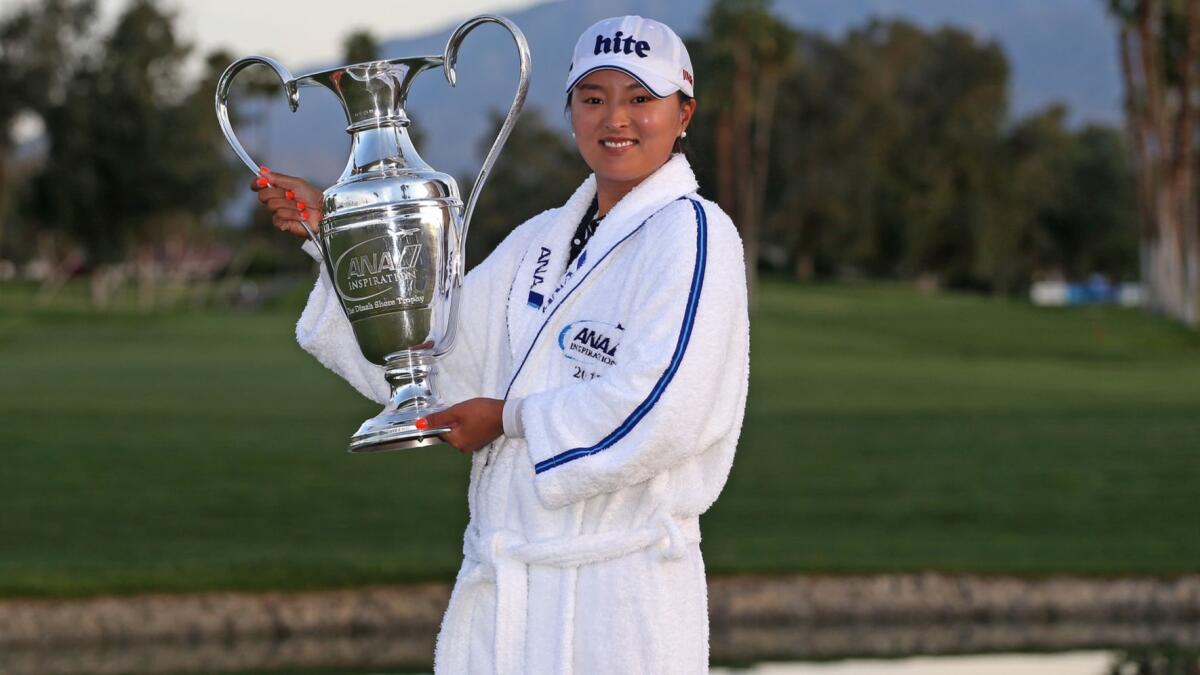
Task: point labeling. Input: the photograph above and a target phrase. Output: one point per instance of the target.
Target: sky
(303, 32)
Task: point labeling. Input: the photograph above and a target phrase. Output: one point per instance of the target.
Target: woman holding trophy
(600, 371)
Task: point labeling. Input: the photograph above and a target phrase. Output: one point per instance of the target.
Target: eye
(592, 100)
(640, 99)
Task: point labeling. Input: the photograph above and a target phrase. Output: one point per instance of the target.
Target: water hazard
(807, 649)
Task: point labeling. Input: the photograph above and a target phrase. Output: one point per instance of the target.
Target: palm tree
(742, 58)
(1159, 46)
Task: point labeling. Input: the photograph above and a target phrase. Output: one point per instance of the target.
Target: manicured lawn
(886, 431)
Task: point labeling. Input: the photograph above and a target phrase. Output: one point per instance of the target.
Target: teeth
(617, 144)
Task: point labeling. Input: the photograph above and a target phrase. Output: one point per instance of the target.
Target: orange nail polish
(264, 169)
(300, 205)
(263, 182)
(421, 423)
(290, 195)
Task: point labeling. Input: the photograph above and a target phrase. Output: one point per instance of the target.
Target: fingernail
(263, 182)
(421, 423)
(290, 195)
(264, 169)
(300, 205)
(304, 215)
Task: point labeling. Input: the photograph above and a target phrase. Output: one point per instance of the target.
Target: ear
(686, 110)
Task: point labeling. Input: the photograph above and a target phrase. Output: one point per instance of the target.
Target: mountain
(1064, 50)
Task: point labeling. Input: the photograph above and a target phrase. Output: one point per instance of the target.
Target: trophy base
(383, 435)
(395, 428)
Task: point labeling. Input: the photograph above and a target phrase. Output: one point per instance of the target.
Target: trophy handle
(293, 96)
(449, 59)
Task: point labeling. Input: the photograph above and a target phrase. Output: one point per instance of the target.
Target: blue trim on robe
(685, 334)
(533, 342)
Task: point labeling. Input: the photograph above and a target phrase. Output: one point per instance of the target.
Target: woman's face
(623, 132)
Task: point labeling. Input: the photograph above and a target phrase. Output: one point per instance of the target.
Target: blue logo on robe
(590, 341)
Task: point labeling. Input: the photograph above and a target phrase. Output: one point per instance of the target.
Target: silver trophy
(393, 228)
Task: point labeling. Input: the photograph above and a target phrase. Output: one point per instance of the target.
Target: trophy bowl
(393, 229)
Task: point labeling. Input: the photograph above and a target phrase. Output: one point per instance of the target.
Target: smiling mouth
(617, 143)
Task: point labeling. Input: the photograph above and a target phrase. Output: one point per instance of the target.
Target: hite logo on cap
(644, 49)
(618, 45)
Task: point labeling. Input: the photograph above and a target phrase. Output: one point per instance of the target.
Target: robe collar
(671, 181)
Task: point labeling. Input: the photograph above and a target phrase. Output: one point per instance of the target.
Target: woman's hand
(291, 200)
(473, 423)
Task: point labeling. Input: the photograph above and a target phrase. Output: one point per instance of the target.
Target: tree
(360, 46)
(135, 157)
(1100, 207)
(742, 56)
(886, 151)
(538, 170)
(1160, 45)
(817, 166)
(894, 157)
(1068, 204)
(1035, 170)
(37, 45)
(119, 151)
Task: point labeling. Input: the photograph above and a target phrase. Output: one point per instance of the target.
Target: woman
(602, 365)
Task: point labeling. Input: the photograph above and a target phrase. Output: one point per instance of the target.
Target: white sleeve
(678, 382)
(325, 332)
(511, 418)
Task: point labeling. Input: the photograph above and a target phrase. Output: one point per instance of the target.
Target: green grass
(886, 431)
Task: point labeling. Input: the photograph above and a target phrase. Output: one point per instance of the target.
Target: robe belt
(501, 557)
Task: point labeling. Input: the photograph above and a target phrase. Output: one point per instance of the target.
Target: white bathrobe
(628, 375)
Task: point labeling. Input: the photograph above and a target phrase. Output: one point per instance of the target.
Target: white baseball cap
(645, 49)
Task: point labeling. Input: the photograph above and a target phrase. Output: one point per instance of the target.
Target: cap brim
(657, 85)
